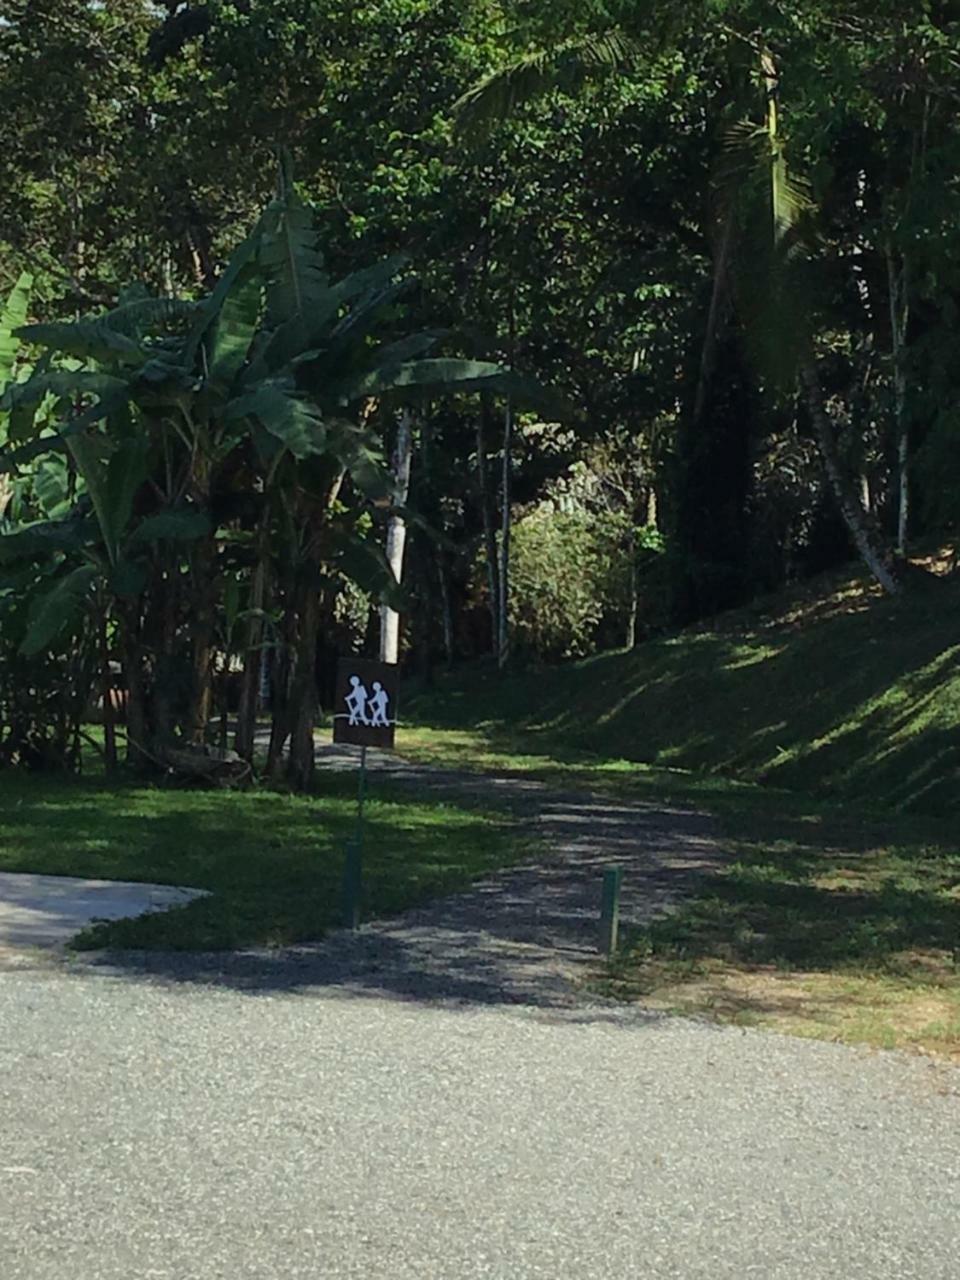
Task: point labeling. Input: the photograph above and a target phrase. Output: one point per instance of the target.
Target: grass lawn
(841, 923)
(272, 861)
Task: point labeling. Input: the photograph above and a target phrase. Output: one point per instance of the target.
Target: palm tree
(503, 92)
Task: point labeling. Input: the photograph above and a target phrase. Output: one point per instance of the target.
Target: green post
(353, 863)
(610, 910)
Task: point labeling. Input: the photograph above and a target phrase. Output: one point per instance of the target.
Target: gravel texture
(197, 1132)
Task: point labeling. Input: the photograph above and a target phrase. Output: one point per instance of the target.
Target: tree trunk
(489, 533)
(204, 621)
(899, 319)
(633, 602)
(252, 663)
(503, 604)
(106, 692)
(301, 761)
(139, 738)
(446, 607)
(851, 508)
(397, 536)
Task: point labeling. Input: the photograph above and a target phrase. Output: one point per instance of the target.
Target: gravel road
(161, 1130)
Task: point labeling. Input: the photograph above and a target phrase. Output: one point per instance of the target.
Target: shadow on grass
(818, 889)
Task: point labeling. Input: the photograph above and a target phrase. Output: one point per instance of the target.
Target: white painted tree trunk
(899, 319)
(503, 605)
(397, 536)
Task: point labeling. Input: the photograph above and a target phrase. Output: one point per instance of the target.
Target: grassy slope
(838, 693)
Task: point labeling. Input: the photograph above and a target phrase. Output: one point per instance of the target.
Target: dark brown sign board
(365, 707)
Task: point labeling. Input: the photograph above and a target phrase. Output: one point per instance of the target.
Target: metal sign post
(610, 910)
(364, 716)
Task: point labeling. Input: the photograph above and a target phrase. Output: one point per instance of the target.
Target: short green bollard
(610, 910)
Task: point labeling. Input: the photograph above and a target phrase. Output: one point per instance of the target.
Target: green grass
(835, 694)
(272, 862)
(828, 922)
(834, 921)
(834, 918)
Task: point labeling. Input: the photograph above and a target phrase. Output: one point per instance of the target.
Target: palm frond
(500, 94)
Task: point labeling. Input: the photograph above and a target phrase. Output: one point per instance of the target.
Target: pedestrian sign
(365, 711)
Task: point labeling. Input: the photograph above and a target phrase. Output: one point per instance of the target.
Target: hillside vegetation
(836, 692)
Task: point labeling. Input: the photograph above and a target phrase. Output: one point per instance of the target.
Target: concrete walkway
(47, 911)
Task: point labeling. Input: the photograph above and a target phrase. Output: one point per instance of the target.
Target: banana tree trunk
(106, 693)
(204, 622)
(301, 760)
(858, 523)
(397, 536)
(139, 736)
(252, 666)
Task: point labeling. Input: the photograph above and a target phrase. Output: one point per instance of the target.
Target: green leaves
(236, 326)
(57, 609)
(291, 260)
(85, 340)
(441, 376)
(283, 413)
(500, 94)
(46, 538)
(178, 524)
(12, 318)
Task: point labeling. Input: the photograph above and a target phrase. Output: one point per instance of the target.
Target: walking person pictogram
(378, 705)
(356, 701)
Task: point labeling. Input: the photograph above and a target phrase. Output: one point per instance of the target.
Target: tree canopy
(668, 290)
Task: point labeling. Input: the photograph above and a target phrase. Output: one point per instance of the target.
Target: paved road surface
(178, 1130)
(434, 1099)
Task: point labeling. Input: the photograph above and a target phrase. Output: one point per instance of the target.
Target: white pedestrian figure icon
(378, 705)
(356, 701)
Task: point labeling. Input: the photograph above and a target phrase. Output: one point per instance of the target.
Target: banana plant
(176, 416)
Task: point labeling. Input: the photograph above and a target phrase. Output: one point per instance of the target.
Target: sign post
(364, 716)
(610, 910)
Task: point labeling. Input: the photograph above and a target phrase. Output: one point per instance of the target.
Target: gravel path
(526, 935)
(432, 1099)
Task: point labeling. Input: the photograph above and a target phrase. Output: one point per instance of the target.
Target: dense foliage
(729, 234)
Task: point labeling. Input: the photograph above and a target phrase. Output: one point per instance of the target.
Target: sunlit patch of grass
(832, 923)
(272, 862)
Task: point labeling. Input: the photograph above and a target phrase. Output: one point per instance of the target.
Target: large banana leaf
(291, 259)
(178, 524)
(46, 538)
(210, 309)
(361, 559)
(66, 384)
(12, 318)
(443, 376)
(85, 339)
(357, 450)
(236, 326)
(57, 608)
(140, 316)
(291, 419)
